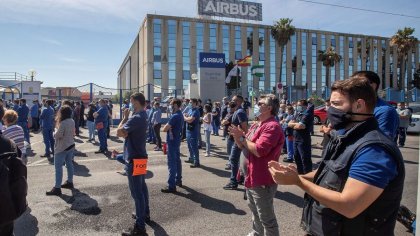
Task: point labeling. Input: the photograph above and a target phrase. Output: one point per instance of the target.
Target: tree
(235, 81)
(328, 58)
(250, 42)
(294, 68)
(281, 32)
(404, 41)
(367, 51)
(416, 79)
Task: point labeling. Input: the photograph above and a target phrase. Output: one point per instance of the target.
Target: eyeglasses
(261, 103)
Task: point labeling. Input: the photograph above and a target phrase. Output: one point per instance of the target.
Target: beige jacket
(64, 136)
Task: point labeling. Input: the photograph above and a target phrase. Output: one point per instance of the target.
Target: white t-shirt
(206, 118)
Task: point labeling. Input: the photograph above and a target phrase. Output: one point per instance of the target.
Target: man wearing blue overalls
(133, 129)
(47, 118)
(23, 112)
(101, 122)
(193, 131)
(173, 139)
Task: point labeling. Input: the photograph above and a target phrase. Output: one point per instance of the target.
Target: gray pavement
(101, 203)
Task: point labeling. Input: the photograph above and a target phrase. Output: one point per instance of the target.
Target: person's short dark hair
(303, 102)
(194, 100)
(327, 100)
(198, 100)
(23, 100)
(370, 75)
(272, 101)
(207, 108)
(232, 104)
(49, 102)
(177, 102)
(139, 97)
(156, 104)
(357, 88)
(16, 101)
(240, 97)
(290, 108)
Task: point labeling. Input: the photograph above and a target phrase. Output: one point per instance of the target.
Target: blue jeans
(234, 157)
(207, 134)
(174, 164)
(302, 156)
(192, 141)
(59, 159)
(215, 125)
(140, 195)
(229, 144)
(25, 128)
(47, 135)
(91, 129)
(102, 138)
(401, 135)
(151, 134)
(290, 150)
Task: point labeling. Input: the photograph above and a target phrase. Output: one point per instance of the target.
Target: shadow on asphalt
(218, 172)
(27, 224)
(210, 203)
(82, 203)
(115, 139)
(411, 162)
(81, 170)
(78, 153)
(158, 230)
(290, 198)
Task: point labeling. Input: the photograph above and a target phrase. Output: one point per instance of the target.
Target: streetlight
(32, 74)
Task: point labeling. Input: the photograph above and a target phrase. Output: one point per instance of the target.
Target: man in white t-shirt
(405, 117)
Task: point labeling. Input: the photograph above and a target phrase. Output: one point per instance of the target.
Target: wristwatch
(242, 138)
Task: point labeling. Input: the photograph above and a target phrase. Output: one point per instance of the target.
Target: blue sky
(74, 42)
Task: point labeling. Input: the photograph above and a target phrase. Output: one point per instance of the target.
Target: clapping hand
(282, 174)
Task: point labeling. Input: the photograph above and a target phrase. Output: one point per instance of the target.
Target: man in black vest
(358, 186)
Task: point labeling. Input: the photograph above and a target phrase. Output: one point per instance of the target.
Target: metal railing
(14, 76)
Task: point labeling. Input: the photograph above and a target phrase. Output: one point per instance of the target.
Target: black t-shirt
(302, 134)
(90, 114)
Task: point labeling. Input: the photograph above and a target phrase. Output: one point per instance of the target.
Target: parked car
(165, 103)
(320, 115)
(415, 123)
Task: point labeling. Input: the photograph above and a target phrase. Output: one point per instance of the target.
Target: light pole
(32, 74)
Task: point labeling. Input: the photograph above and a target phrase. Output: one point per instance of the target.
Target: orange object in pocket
(99, 125)
(139, 167)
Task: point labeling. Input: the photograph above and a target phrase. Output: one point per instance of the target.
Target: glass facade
(176, 40)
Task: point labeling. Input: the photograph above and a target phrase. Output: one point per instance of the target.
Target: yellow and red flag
(245, 61)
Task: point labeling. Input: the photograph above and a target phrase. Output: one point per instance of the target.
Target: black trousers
(7, 229)
(156, 129)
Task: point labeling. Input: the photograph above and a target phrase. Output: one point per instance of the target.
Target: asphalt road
(101, 203)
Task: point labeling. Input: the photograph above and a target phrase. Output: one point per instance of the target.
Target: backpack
(13, 185)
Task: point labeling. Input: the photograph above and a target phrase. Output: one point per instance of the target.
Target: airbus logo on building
(231, 8)
(213, 60)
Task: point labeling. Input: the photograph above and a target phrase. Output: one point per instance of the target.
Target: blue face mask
(257, 111)
(131, 107)
(299, 108)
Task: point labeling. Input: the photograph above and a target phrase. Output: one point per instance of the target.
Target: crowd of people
(356, 190)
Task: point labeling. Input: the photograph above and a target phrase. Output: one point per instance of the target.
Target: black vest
(380, 217)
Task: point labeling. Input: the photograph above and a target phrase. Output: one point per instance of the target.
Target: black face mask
(340, 119)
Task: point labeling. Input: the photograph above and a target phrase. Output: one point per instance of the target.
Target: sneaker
(168, 190)
(54, 192)
(147, 219)
(228, 167)
(45, 155)
(230, 186)
(179, 183)
(68, 185)
(195, 166)
(100, 151)
(157, 149)
(223, 138)
(135, 231)
(207, 155)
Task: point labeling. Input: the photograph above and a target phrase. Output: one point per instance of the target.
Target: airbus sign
(231, 8)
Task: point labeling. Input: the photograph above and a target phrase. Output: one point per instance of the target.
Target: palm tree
(281, 32)
(404, 41)
(250, 42)
(329, 58)
(294, 68)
